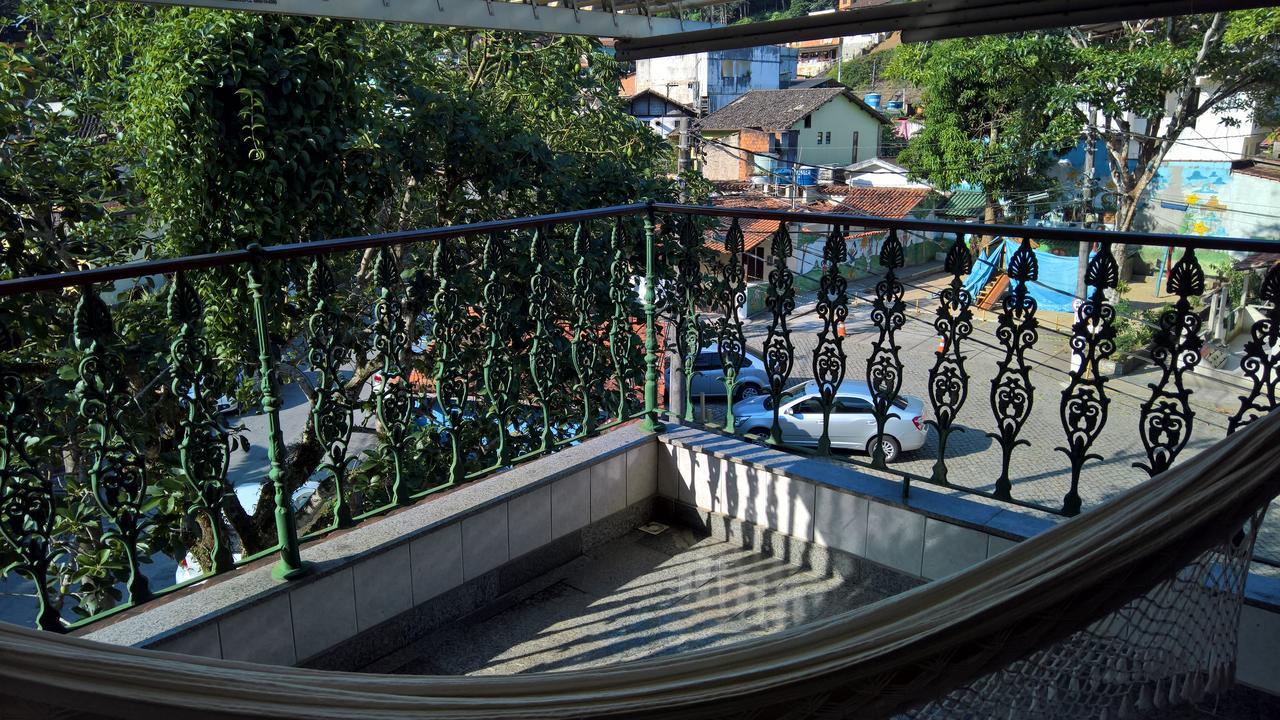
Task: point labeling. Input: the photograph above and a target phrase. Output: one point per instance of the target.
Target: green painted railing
(461, 351)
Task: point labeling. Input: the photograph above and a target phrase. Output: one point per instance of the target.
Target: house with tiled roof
(767, 132)
(808, 238)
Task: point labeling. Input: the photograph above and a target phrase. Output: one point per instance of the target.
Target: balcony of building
(476, 450)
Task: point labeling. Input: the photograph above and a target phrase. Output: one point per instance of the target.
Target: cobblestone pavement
(1040, 473)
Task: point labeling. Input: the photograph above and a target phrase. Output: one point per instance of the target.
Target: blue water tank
(782, 175)
(872, 99)
(807, 176)
(893, 105)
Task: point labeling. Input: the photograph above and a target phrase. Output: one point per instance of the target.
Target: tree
(988, 121)
(220, 130)
(1148, 81)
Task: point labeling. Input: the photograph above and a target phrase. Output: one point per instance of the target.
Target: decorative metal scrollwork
(331, 412)
(621, 331)
(732, 341)
(27, 510)
(204, 448)
(117, 469)
(1012, 394)
(1166, 417)
(543, 358)
(780, 299)
(884, 369)
(584, 346)
(451, 382)
(499, 370)
(394, 399)
(689, 329)
(1262, 357)
(833, 308)
(948, 380)
(1084, 403)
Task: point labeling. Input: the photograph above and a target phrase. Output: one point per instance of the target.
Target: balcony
(347, 452)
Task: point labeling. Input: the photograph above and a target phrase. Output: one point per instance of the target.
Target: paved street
(1040, 473)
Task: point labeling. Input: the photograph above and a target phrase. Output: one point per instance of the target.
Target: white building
(708, 81)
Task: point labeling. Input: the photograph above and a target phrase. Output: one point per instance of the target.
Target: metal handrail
(53, 281)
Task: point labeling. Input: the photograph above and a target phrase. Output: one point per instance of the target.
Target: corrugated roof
(1256, 169)
(778, 109)
(964, 203)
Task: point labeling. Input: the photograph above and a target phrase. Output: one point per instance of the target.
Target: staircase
(993, 290)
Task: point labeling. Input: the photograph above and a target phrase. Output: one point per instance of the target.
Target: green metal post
(290, 564)
(650, 423)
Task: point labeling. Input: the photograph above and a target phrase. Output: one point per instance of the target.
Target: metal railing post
(650, 423)
(290, 564)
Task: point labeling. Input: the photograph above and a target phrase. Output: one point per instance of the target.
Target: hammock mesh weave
(1173, 645)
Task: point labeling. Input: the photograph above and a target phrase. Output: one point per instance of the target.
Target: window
(819, 138)
(812, 405)
(753, 263)
(853, 406)
(828, 137)
(707, 361)
(855, 147)
(808, 121)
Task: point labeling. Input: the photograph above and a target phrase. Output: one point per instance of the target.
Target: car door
(802, 422)
(708, 376)
(853, 422)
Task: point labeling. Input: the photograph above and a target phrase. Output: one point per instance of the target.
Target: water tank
(807, 176)
(894, 105)
(782, 175)
(872, 99)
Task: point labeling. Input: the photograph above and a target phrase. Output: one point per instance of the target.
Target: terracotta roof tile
(890, 202)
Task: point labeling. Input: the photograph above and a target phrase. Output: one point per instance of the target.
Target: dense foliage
(131, 132)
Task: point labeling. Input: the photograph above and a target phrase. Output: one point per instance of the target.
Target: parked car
(708, 378)
(853, 425)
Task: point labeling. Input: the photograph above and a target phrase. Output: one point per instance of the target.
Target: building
(660, 113)
(816, 57)
(708, 81)
(879, 172)
(765, 132)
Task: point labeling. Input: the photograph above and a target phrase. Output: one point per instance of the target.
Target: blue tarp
(982, 270)
(1055, 284)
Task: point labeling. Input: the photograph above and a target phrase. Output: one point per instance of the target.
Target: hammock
(1132, 605)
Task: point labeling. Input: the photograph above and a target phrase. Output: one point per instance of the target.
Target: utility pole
(1082, 252)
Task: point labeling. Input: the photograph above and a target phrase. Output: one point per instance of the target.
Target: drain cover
(653, 528)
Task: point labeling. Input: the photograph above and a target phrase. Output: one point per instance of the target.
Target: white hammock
(1132, 605)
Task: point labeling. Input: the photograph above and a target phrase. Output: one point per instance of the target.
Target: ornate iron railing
(465, 350)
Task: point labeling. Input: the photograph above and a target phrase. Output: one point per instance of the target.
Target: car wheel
(761, 431)
(889, 445)
(746, 392)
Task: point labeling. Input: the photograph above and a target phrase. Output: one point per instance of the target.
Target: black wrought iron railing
(391, 367)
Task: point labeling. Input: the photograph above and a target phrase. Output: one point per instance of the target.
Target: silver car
(852, 423)
(708, 378)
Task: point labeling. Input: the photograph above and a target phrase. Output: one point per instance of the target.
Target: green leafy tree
(988, 118)
(1137, 87)
(219, 130)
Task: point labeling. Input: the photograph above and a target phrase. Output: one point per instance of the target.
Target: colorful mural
(1187, 198)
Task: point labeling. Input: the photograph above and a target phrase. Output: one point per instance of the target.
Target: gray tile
(642, 472)
(436, 559)
(668, 475)
(324, 613)
(997, 545)
(570, 503)
(262, 633)
(895, 537)
(1259, 638)
(384, 587)
(608, 487)
(530, 520)
(705, 482)
(484, 541)
(785, 504)
(841, 521)
(203, 642)
(949, 549)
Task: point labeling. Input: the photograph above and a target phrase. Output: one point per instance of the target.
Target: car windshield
(788, 395)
